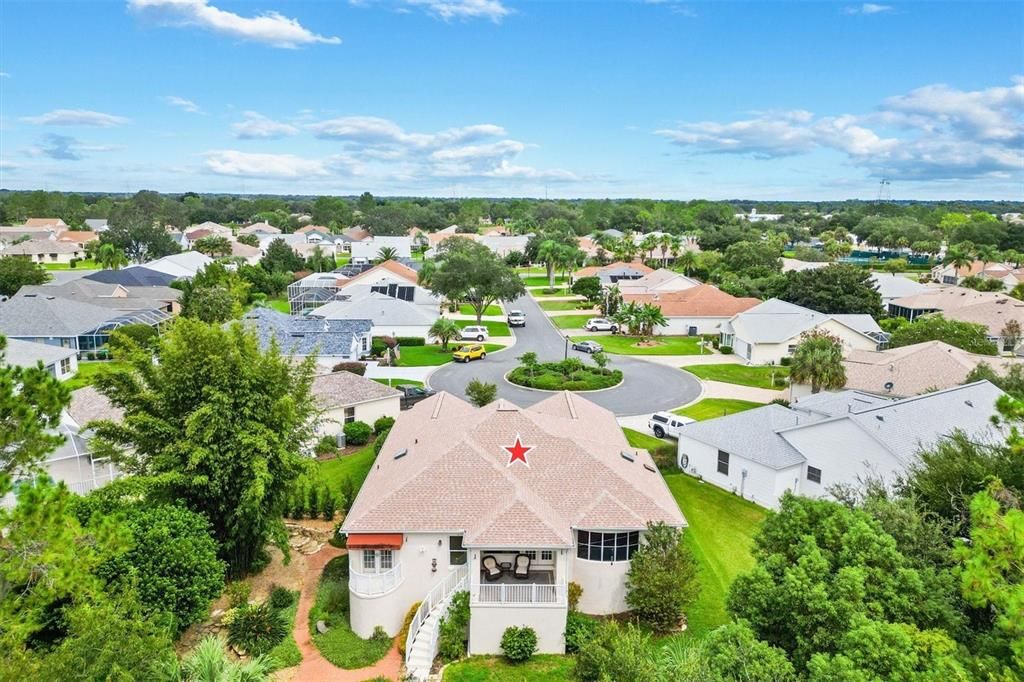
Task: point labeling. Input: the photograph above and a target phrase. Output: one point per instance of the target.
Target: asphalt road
(646, 387)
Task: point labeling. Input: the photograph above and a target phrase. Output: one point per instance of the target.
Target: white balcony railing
(372, 584)
(528, 593)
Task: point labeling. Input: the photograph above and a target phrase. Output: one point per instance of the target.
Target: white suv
(667, 424)
(474, 334)
(599, 324)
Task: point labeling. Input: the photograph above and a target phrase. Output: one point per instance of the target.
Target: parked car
(600, 324)
(475, 334)
(587, 347)
(467, 353)
(414, 394)
(516, 318)
(667, 424)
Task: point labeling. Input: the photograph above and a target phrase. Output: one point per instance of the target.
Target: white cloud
(510, 171)
(373, 131)
(480, 151)
(182, 103)
(464, 9)
(76, 117)
(256, 126)
(4, 74)
(868, 8)
(7, 165)
(934, 132)
(270, 28)
(674, 6)
(65, 148)
(281, 166)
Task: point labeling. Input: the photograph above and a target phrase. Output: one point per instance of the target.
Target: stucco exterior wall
(603, 583)
(843, 454)
(488, 623)
(679, 326)
(761, 484)
(334, 420)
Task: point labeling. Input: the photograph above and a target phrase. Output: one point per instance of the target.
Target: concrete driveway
(646, 387)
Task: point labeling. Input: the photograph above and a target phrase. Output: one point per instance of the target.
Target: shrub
(786, 361)
(348, 493)
(238, 593)
(411, 340)
(567, 375)
(73, 263)
(383, 424)
(666, 457)
(357, 433)
(313, 506)
(662, 578)
(579, 629)
(380, 635)
(353, 367)
(780, 401)
(614, 653)
(141, 334)
(280, 597)
(725, 350)
(403, 634)
(328, 504)
(377, 348)
(519, 644)
(481, 393)
(257, 629)
(326, 445)
(379, 443)
(453, 628)
(575, 592)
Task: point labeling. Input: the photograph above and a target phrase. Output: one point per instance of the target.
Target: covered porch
(518, 576)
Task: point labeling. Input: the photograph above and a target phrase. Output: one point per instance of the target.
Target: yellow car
(467, 353)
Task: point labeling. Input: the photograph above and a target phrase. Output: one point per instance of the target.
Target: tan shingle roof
(87, 404)
(455, 476)
(345, 388)
(699, 301)
(394, 267)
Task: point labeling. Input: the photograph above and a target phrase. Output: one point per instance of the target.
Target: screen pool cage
(93, 343)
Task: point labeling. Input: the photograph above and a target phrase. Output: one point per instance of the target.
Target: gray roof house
(59, 361)
(829, 439)
(107, 295)
(390, 316)
(301, 336)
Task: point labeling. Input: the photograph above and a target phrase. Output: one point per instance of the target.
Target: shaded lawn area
(87, 372)
(756, 376)
(626, 345)
(399, 382)
(709, 408)
(279, 304)
(84, 264)
(578, 304)
(542, 280)
(721, 534)
(286, 654)
(355, 467)
(542, 668)
(572, 322)
(645, 441)
(492, 309)
(544, 293)
(431, 356)
(493, 328)
(339, 644)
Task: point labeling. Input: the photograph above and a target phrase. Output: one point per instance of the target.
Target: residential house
(250, 254)
(60, 362)
(830, 439)
(9, 234)
(369, 250)
(660, 281)
(259, 229)
(502, 245)
(389, 315)
(97, 224)
(614, 273)
(344, 397)
(1006, 273)
(180, 265)
(356, 234)
(771, 331)
(52, 223)
(80, 237)
(214, 229)
(46, 251)
(332, 341)
(891, 287)
(313, 291)
(701, 309)
(794, 265)
(755, 217)
(393, 279)
(912, 370)
(991, 309)
(510, 504)
(304, 244)
(83, 327)
(113, 296)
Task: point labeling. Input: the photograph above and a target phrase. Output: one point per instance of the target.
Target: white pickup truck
(664, 424)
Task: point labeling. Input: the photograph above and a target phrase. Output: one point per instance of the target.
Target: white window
(65, 365)
(350, 415)
(456, 552)
(606, 546)
(369, 560)
(387, 560)
(547, 555)
(813, 474)
(723, 462)
(532, 553)
(366, 343)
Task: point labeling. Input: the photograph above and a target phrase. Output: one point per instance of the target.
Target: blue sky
(664, 99)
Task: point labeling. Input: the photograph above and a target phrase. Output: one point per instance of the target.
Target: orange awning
(374, 541)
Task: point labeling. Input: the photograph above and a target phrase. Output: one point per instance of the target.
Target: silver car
(588, 347)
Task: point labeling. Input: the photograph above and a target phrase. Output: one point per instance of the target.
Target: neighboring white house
(46, 251)
(344, 397)
(183, 265)
(830, 438)
(755, 217)
(771, 331)
(368, 251)
(60, 361)
(259, 229)
(661, 281)
(1006, 273)
(390, 316)
(891, 287)
(331, 341)
(614, 273)
(460, 496)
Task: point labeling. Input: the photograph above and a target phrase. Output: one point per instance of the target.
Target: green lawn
(339, 644)
(80, 265)
(87, 372)
(280, 305)
(577, 304)
(542, 280)
(492, 309)
(644, 441)
(626, 345)
(399, 382)
(431, 356)
(571, 321)
(355, 467)
(543, 668)
(493, 328)
(709, 408)
(756, 376)
(342, 260)
(721, 534)
(542, 293)
(286, 654)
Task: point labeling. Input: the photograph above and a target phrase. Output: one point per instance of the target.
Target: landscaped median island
(774, 377)
(636, 345)
(567, 375)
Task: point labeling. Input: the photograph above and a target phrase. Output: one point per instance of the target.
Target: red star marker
(517, 452)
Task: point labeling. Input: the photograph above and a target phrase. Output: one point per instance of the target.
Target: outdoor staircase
(421, 643)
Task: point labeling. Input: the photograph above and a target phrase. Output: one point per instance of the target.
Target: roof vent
(968, 403)
(879, 417)
(628, 456)
(650, 468)
(401, 453)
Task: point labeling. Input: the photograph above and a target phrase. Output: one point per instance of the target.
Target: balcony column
(473, 564)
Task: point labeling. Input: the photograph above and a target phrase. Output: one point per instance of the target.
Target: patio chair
(492, 571)
(522, 567)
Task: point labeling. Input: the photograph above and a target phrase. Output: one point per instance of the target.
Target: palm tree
(649, 244)
(548, 253)
(110, 257)
(386, 253)
(444, 330)
(648, 317)
(208, 662)
(987, 253)
(818, 361)
(687, 260)
(958, 257)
